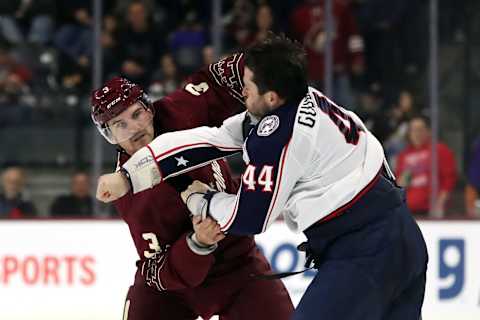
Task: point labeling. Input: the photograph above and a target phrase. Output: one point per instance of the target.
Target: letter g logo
(451, 267)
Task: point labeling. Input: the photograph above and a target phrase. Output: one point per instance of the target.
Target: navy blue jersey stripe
(266, 161)
(190, 158)
(178, 149)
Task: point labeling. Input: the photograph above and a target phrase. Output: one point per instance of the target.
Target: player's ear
(273, 99)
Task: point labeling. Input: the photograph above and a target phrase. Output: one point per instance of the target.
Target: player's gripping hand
(193, 197)
(195, 187)
(207, 231)
(112, 186)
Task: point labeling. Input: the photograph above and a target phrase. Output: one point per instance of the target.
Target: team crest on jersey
(268, 126)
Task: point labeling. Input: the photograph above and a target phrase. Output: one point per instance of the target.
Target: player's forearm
(226, 210)
(175, 153)
(235, 216)
(261, 197)
(187, 268)
(222, 208)
(180, 268)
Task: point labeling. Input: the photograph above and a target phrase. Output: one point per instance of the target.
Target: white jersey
(305, 162)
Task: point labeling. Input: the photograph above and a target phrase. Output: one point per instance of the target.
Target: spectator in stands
(394, 32)
(187, 43)
(472, 190)
(308, 24)
(264, 22)
(36, 16)
(398, 119)
(405, 108)
(74, 40)
(14, 82)
(165, 79)
(413, 170)
(78, 203)
(13, 203)
(9, 28)
(121, 7)
(138, 44)
(239, 22)
(109, 44)
(208, 55)
(372, 111)
(282, 11)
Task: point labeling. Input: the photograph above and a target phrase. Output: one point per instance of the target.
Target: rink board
(80, 270)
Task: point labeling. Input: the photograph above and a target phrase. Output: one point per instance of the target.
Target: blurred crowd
(16, 203)
(379, 55)
(46, 46)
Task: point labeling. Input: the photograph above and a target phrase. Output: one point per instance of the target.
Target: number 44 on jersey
(263, 179)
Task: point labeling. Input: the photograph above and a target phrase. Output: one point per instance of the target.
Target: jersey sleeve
(174, 266)
(174, 153)
(228, 73)
(226, 80)
(208, 97)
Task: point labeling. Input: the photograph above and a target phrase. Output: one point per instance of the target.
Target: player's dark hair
(279, 64)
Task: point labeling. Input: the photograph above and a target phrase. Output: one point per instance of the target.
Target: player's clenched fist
(195, 187)
(207, 231)
(194, 198)
(112, 186)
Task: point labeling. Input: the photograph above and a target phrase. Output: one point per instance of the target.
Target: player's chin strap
(310, 257)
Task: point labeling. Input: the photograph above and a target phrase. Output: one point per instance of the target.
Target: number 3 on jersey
(264, 178)
(152, 244)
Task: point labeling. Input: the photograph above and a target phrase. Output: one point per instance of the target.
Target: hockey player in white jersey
(316, 164)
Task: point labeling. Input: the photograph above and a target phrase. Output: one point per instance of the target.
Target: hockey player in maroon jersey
(183, 272)
(315, 164)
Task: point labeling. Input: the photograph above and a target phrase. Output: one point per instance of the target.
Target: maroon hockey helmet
(113, 98)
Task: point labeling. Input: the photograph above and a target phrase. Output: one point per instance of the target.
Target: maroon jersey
(157, 218)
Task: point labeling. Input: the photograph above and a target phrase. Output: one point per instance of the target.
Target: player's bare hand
(195, 187)
(207, 231)
(111, 187)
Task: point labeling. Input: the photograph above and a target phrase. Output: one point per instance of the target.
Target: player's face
(133, 128)
(256, 103)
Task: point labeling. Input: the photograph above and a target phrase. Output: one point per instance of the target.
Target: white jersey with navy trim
(304, 162)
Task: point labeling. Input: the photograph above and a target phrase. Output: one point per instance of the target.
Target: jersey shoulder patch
(268, 125)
